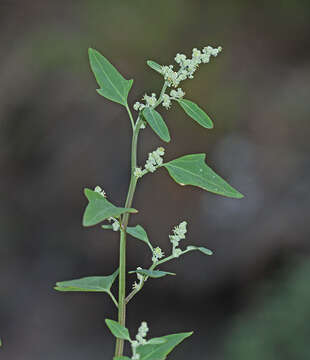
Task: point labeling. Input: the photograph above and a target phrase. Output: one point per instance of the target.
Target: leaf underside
(112, 84)
(192, 170)
(88, 284)
(139, 233)
(118, 330)
(201, 249)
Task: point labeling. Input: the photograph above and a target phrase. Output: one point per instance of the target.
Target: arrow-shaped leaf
(160, 351)
(196, 113)
(118, 330)
(192, 170)
(112, 84)
(88, 284)
(99, 209)
(157, 123)
(151, 273)
(152, 64)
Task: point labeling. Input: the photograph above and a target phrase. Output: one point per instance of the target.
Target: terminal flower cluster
(154, 160)
(178, 234)
(188, 66)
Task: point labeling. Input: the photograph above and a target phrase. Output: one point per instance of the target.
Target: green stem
(122, 258)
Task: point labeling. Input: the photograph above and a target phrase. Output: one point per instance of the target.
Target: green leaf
(200, 248)
(156, 341)
(99, 209)
(151, 273)
(112, 84)
(88, 284)
(192, 170)
(196, 113)
(154, 66)
(118, 330)
(160, 351)
(121, 358)
(139, 233)
(157, 123)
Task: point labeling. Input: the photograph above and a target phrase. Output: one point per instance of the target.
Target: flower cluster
(157, 254)
(178, 234)
(150, 101)
(152, 163)
(100, 191)
(137, 285)
(140, 340)
(188, 66)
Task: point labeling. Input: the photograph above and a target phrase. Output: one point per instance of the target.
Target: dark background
(248, 301)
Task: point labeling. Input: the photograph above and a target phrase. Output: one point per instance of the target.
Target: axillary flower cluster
(154, 161)
(187, 68)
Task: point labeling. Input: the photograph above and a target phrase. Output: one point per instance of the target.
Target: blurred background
(251, 300)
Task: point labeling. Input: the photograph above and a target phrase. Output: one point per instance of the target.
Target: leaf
(196, 113)
(112, 84)
(192, 170)
(88, 284)
(156, 341)
(152, 64)
(139, 233)
(99, 209)
(118, 330)
(121, 358)
(157, 123)
(107, 227)
(151, 273)
(202, 249)
(160, 351)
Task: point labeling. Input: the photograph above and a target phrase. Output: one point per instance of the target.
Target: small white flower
(138, 173)
(179, 58)
(150, 100)
(157, 254)
(177, 94)
(154, 160)
(166, 101)
(179, 232)
(100, 191)
(115, 226)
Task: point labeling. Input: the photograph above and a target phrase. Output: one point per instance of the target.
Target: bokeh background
(251, 300)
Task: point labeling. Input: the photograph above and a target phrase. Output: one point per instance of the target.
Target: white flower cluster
(174, 94)
(155, 159)
(115, 224)
(157, 254)
(178, 234)
(152, 163)
(188, 66)
(150, 101)
(140, 340)
(137, 285)
(100, 191)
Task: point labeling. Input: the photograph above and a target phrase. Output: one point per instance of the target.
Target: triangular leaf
(196, 113)
(151, 273)
(157, 123)
(88, 284)
(99, 209)
(118, 330)
(200, 248)
(152, 64)
(139, 233)
(112, 84)
(192, 170)
(160, 351)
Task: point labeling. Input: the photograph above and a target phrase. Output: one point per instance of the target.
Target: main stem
(119, 347)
